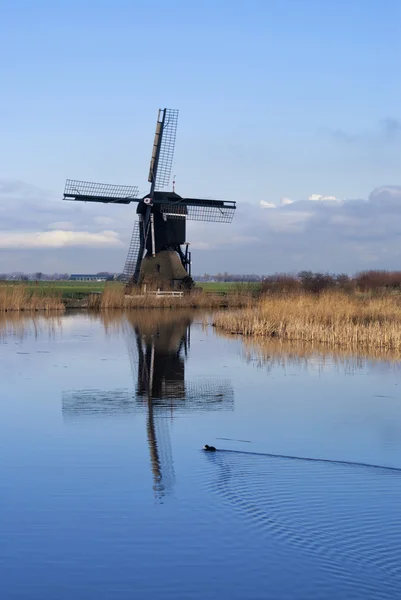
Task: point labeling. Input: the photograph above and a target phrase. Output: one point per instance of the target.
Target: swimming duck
(209, 448)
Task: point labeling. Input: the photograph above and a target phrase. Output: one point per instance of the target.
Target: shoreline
(335, 319)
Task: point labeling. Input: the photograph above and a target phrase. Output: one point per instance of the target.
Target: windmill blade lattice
(167, 145)
(99, 192)
(132, 256)
(200, 212)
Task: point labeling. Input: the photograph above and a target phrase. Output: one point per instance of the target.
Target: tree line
(316, 283)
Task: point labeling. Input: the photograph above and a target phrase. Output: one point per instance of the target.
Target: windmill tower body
(158, 253)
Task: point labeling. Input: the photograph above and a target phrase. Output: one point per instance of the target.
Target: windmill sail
(200, 210)
(88, 191)
(132, 256)
(163, 148)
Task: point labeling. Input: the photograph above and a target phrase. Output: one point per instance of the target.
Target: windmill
(159, 251)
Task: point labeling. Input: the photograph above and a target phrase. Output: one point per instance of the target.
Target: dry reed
(21, 297)
(332, 318)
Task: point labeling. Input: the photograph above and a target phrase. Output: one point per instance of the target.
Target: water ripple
(341, 515)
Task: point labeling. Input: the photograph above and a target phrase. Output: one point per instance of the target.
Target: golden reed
(21, 297)
(331, 318)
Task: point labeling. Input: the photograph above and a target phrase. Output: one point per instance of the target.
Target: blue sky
(277, 99)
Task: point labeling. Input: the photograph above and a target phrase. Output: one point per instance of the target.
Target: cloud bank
(41, 232)
(58, 239)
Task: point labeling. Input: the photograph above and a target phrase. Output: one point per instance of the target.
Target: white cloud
(286, 201)
(58, 239)
(265, 204)
(321, 198)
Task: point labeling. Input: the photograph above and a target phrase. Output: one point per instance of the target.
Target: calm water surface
(106, 494)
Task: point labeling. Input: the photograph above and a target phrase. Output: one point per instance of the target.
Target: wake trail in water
(317, 460)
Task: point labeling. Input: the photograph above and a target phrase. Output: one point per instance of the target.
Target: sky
(292, 108)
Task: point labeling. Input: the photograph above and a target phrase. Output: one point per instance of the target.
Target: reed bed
(115, 297)
(331, 318)
(21, 298)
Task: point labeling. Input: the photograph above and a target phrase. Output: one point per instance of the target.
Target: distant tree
(281, 283)
(316, 283)
(306, 278)
(375, 280)
(344, 282)
(38, 276)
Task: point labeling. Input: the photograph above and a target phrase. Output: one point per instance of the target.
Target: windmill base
(164, 271)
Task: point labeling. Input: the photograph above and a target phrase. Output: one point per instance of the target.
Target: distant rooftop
(87, 277)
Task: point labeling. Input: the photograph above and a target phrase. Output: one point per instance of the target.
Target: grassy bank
(76, 290)
(115, 297)
(331, 318)
(80, 289)
(17, 296)
(227, 287)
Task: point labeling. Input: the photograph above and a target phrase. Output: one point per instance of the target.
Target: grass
(333, 319)
(66, 289)
(224, 287)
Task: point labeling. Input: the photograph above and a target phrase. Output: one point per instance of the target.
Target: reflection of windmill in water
(158, 359)
(157, 362)
(158, 346)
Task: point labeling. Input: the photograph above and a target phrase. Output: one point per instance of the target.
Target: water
(106, 494)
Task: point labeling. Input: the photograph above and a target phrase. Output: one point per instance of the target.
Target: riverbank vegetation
(373, 282)
(284, 288)
(22, 297)
(332, 317)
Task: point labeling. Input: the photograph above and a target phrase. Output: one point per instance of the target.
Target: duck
(209, 448)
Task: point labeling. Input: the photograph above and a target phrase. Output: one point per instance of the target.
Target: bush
(280, 283)
(344, 283)
(373, 281)
(316, 283)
